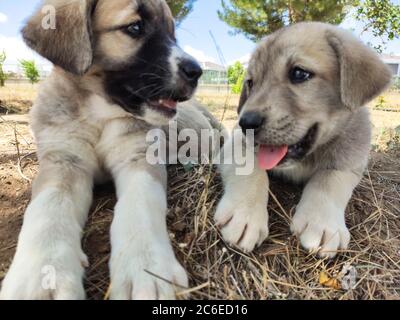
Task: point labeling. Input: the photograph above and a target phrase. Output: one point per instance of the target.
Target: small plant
(235, 71)
(3, 76)
(381, 103)
(237, 88)
(30, 70)
(394, 142)
(388, 140)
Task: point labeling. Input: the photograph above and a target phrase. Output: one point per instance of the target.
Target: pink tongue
(171, 104)
(270, 156)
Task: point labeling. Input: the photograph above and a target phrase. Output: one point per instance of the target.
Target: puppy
(304, 98)
(118, 74)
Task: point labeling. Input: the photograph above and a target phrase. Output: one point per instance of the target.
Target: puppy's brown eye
(299, 75)
(136, 29)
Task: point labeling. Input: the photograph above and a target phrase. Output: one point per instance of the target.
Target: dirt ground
(279, 269)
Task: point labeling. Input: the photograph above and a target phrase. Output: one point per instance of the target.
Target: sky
(193, 34)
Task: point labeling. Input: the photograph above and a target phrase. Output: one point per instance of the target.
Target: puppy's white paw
(53, 272)
(321, 230)
(151, 273)
(243, 223)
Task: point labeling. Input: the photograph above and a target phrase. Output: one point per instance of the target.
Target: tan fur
(110, 42)
(84, 138)
(110, 14)
(353, 73)
(363, 76)
(73, 51)
(347, 75)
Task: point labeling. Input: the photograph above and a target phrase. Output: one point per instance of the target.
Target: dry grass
(279, 269)
(17, 98)
(391, 99)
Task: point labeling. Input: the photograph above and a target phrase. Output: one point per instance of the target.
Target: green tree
(382, 18)
(30, 70)
(3, 76)
(180, 8)
(235, 71)
(258, 18)
(238, 86)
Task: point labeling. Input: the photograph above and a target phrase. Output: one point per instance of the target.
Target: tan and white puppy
(304, 98)
(118, 74)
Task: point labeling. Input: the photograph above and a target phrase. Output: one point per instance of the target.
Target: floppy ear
(243, 96)
(362, 74)
(68, 43)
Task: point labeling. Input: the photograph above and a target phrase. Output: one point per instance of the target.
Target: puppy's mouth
(270, 157)
(166, 106)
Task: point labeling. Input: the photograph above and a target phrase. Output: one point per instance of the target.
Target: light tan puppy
(118, 74)
(304, 97)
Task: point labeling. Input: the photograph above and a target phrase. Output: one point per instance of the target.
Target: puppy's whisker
(152, 64)
(156, 91)
(151, 76)
(136, 92)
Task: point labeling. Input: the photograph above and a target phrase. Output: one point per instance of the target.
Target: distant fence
(15, 72)
(214, 77)
(213, 89)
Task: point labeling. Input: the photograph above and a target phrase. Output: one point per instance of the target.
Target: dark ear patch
(363, 75)
(69, 45)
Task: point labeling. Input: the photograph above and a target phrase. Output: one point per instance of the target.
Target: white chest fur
(98, 111)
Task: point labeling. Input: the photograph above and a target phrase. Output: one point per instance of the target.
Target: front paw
(243, 222)
(321, 230)
(51, 273)
(148, 272)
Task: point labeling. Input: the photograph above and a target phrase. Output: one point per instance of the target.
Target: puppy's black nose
(190, 70)
(251, 121)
